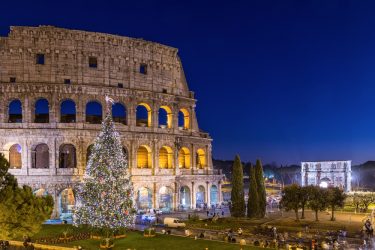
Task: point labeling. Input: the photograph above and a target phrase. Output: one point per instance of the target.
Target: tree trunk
(303, 212)
(316, 215)
(296, 211)
(333, 211)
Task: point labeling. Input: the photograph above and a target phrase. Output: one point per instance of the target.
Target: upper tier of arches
(142, 114)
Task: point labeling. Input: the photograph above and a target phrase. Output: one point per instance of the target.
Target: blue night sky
(283, 81)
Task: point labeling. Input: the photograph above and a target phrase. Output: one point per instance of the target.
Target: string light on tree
(105, 197)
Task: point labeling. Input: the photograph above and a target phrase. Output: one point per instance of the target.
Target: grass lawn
(135, 240)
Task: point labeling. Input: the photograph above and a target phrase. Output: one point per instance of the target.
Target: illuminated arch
(94, 112)
(15, 159)
(144, 198)
(143, 115)
(200, 196)
(165, 157)
(41, 108)
(214, 195)
(165, 117)
(68, 111)
(184, 158)
(67, 202)
(15, 111)
(165, 199)
(185, 199)
(119, 113)
(183, 119)
(144, 157)
(201, 159)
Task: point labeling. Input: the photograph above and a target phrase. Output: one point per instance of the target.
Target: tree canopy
(237, 194)
(21, 212)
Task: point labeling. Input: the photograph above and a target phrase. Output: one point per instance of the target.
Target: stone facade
(170, 163)
(327, 173)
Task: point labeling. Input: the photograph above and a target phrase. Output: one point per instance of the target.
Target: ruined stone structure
(327, 173)
(53, 83)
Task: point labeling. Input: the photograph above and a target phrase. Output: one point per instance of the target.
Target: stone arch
(184, 158)
(41, 111)
(68, 111)
(166, 157)
(40, 156)
(15, 156)
(143, 115)
(214, 195)
(66, 203)
(185, 197)
(67, 156)
(94, 112)
(144, 198)
(15, 111)
(200, 196)
(201, 158)
(119, 113)
(165, 117)
(144, 157)
(165, 198)
(183, 119)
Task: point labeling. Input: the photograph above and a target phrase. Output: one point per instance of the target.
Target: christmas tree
(105, 197)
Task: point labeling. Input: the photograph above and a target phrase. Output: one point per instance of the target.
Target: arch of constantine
(53, 83)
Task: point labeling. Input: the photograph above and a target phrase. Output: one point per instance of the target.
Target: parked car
(173, 222)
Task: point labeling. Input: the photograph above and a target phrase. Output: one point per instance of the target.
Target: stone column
(154, 205)
(175, 197)
(219, 194)
(193, 202)
(208, 194)
(56, 209)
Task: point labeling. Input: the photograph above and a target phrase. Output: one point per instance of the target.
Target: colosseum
(53, 87)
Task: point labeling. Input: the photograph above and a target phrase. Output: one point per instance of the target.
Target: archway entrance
(185, 200)
(200, 197)
(144, 198)
(165, 199)
(213, 195)
(67, 202)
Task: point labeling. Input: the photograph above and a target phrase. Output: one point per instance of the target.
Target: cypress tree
(261, 189)
(253, 200)
(237, 194)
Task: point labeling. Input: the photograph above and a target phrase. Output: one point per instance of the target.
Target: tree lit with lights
(105, 197)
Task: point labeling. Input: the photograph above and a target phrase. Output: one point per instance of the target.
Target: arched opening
(15, 159)
(67, 156)
(93, 112)
(183, 119)
(201, 159)
(200, 197)
(68, 111)
(144, 198)
(144, 157)
(325, 182)
(41, 111)
(165, 117)
(40, 156)
(119, 113)
(143, 115)
(88, 152)
(166, 157)
(165, 199)
(185, 201)
(184, 158)
(213, 195)
(40, 192)
(67, 202)
(15, 112)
